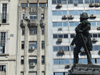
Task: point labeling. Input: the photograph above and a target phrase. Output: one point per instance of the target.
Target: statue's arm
(87, 28)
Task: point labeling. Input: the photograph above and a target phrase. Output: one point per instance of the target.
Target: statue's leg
(89, 61)
(76, 51)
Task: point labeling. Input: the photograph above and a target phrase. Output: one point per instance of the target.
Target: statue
(82, 38)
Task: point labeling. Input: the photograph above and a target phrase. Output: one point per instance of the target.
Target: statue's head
(83, 16)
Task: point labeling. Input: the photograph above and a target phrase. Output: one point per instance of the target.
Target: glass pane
(59, 12)
(80, 12)
(84, 61)
(87, 1)
(93, 61)
(98, 12)
(63, 1)
(91, 1)
(65, 35)
(71, 23)
(76, 23)
(60, 36)
(96, 1)
(65, 24)
(94, 35)
(64, 12)
(66, 73)
(72, 48)
(88, 12)
(54, 12)
(98, 23)
(58, 1)
(62, 61)
(98, 60)
(55, 48)
(65, 48)
(56, 61)
(31, 5)
(70, 1)
(76, 12)
(61, 48)
(54, 35)
(80, 1)
(72, 35)
(92, 12)
(35, 5)
(67, 61)
(93, 23)
(70, 12)
(53, 1)
(58, 73)
(54, 24)
(98, 35)
(59, 24)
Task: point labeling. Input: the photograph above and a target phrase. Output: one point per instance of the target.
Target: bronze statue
(83, 38)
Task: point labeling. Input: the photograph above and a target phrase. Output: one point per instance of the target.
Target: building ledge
(4, 23)
(4, 54)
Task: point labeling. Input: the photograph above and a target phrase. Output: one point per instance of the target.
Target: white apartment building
(63, 17)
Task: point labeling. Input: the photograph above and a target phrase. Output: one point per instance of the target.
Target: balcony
(61, 52)
(70, 17)
(22, 24)
(92, 16)
(97, 5)
(59, 5)
(91, 5)
(32, 23)
(64, 17)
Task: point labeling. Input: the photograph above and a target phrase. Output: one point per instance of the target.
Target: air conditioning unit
(98, 28)
(94, 40)
(64, 17)
(59, 29)
(59, 5)
(75, 4)
(31, 49)
(92, 16)
(67, 66)
(32, 64)
(97, 5)
(61, 52)
(59, 40)
(70, 17)
(91, 5)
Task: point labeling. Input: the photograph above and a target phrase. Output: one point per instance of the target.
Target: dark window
(42, 16)
(32, 5)
(23, 16)
(43, 44)
(72, 35)
(87, 1)
(54, 2)
(4, 13)
(42, 31)
(98, 35)
(33, 16)
(32, 31)
(23, 31)
(65, 35)
(58, 1)
(22, 44)
(24, 5)
(33, 44)
(91, 1)
(94, 35)
(80, 1)
(70, 1)
(2, 68)
(22, 60)
(54, 35)
(43, 59)
(42, 5)
(60, 36)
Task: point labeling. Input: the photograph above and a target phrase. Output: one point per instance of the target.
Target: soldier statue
(82, 38)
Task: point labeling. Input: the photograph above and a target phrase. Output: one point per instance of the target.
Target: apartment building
(32, 52)
(8, 33)
(63, 17)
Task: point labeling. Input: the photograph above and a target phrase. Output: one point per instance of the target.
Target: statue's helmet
(84, 15)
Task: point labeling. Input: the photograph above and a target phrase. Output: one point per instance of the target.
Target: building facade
(32, 52)
(8, 34)
(63, 17)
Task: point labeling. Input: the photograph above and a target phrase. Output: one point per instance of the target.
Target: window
(42, 16)
(92, 1)
(23, 31)
(32, 61)
(72, 35)
(72, 48)
(24, 5)
(33, 16)
(43, 72)
(60, 36)
(59, 1)
(22, 60)
(43, 44)
(43, 59)
(61, 61)
(58, 73)
(22, 73)
(60, 24)
(73, 23)
(22, 44)
(2, 42)
(86, 1)
(32, 5)
(33, 44)
(96, 47)
(75, 1)
(98, 60)
(42, 31)
(32, 31)
(42, 5)
(23, 16)
(32, 73)
(3, 69)
(54, 2)
(4, 13)
(76, 12)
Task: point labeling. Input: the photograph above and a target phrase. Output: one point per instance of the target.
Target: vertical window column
(4, 13)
